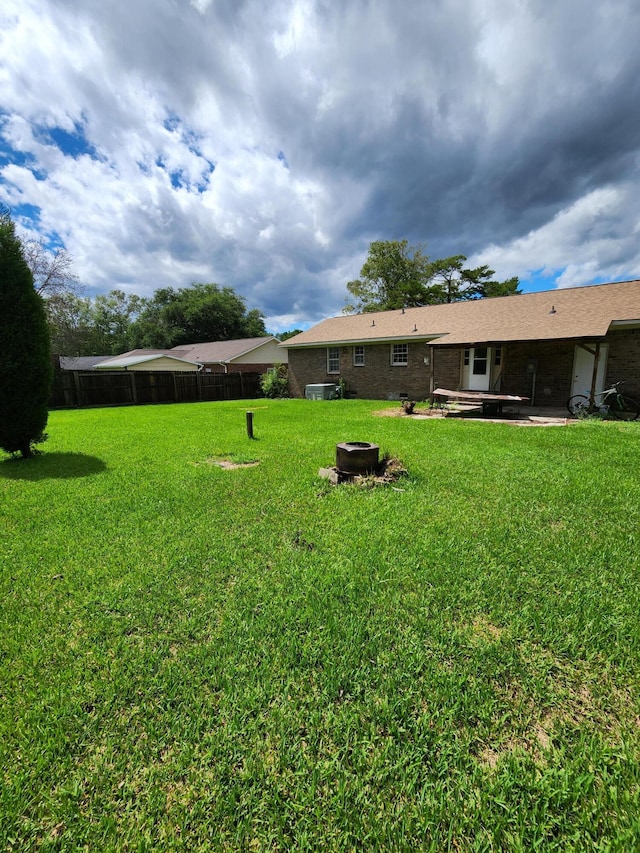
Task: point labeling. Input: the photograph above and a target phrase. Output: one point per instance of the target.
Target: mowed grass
(194, 658)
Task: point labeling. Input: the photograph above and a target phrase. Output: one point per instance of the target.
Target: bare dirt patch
(229, 464)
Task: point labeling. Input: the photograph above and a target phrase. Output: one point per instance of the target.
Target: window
(333, 359)
(358, 356)
(467, 355)
(498, 356)
(400, 354)
(480, 361)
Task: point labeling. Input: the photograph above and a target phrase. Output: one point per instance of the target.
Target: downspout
(432, 367)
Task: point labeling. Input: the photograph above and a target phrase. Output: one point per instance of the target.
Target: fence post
(76, 388)
(250, 424)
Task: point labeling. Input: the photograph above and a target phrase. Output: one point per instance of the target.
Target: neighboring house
(79, 362)
(546, 346)
(144, 359)
(248, 355)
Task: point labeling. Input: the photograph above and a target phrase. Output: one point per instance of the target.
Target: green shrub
(275, 382)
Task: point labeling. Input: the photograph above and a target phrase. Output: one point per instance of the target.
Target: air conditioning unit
(322, 391)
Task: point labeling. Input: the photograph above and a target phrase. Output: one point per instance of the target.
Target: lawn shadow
(51, 466)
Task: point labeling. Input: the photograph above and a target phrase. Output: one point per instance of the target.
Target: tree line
(116, 322)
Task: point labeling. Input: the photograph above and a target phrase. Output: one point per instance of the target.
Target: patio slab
(520, 414)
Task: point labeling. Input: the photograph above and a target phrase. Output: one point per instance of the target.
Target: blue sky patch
(28, 213)
(73, 144)
(538, 280)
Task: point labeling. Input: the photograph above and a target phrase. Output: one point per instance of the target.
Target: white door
(583, 370)
(476, 369)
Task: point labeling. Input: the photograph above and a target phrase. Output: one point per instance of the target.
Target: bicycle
(610, 402)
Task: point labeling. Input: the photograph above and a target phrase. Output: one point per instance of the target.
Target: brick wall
(554, 369)
(379, 380)
(307, 367)
(446, 368)
(624, 360)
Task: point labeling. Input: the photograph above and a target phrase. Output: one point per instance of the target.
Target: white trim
(395, 363)
(329, 359)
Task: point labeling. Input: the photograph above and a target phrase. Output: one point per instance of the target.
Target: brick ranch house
(546, 346)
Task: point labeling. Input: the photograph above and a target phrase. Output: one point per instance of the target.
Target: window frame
(399, 355)
(333, 358)
(358, 355)
(480, 364)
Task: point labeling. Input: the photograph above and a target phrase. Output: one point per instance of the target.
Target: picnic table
(491, 403)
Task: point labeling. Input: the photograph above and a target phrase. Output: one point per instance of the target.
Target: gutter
(361, 341)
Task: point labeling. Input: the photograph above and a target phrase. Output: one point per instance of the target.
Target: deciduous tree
(393, 276)
(71, 325)
(196, 314)
(112, 316)
(51, 268)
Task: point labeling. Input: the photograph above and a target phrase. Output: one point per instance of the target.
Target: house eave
(626, 324)
(344, 342)
(502, 341)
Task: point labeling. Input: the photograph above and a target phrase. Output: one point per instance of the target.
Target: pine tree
(25, 360)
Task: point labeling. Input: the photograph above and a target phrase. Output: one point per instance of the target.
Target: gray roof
(129, 359)
(80, 362)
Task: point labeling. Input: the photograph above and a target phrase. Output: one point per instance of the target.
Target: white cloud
(263, 146)
(596, 237)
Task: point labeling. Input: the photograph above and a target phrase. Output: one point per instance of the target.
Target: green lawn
(203, 659)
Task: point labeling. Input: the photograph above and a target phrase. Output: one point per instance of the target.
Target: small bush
(275, 382)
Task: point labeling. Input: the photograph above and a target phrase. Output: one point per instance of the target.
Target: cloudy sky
(263, 144)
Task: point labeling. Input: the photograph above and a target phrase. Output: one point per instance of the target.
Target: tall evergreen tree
(25, 361)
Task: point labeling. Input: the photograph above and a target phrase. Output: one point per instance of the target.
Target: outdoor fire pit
(357, 457)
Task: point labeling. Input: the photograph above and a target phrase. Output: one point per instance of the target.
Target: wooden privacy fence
(72, 388)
